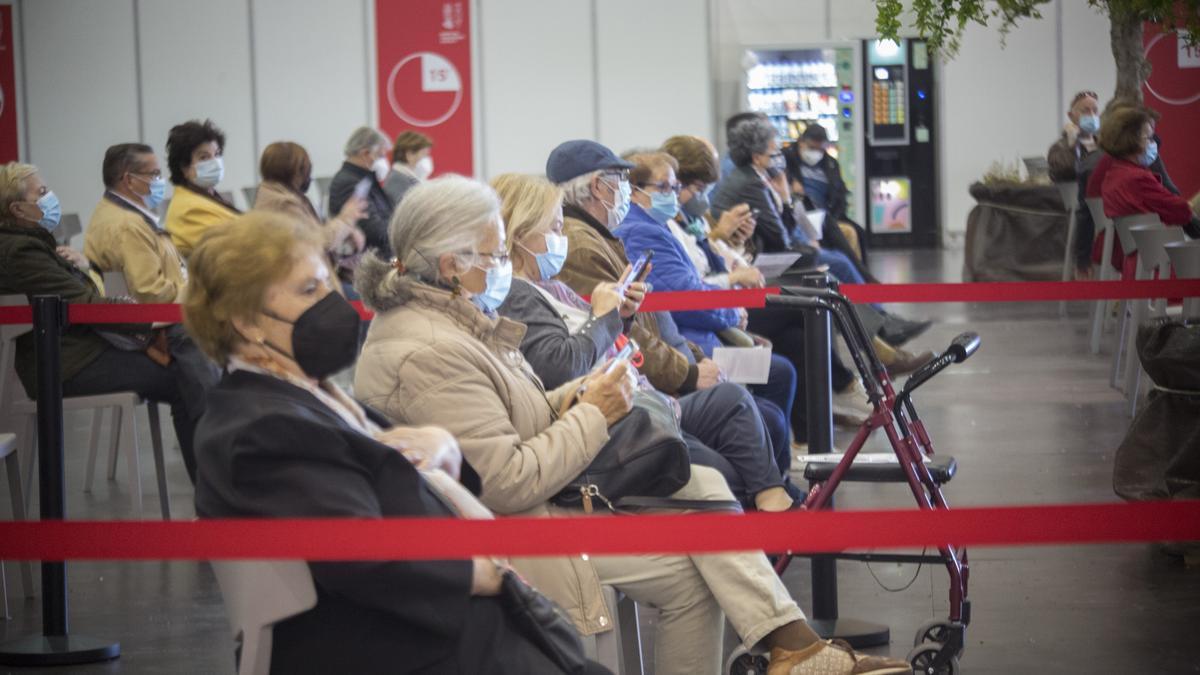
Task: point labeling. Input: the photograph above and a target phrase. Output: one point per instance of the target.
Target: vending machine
(876, 101)
(813, 84)
(900, 151)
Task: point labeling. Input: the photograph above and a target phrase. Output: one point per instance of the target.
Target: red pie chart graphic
(424, 89)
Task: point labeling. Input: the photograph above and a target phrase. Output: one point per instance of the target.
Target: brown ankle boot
(833, 657)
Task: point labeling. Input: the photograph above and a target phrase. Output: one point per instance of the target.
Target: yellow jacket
(190, 215)
(119, 238)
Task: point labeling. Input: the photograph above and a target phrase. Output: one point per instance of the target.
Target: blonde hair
(527, 204)
(230, 271)
(14, 180)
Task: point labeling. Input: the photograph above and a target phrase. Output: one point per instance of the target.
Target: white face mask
(811, 157)
(381, 168)
(424, 167)
(210, 172)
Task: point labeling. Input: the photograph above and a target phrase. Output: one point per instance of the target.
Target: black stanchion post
(55, 646)
(818, 388)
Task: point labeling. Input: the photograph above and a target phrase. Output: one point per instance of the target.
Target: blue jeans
(842, 268)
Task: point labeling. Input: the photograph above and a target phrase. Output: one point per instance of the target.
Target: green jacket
(29, 266)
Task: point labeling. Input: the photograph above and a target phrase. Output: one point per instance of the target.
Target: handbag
(536, 617)
(645, 456)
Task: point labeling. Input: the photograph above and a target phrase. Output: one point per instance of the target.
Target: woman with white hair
(366, 160)
(437, 353)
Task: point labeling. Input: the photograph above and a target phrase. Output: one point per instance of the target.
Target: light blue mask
(1089, 124)
(158, 190)
(51, 210)
(618, 211)
(663, 206)
(551, 262)
(1150, 154)
(499, 281)
(210, 172)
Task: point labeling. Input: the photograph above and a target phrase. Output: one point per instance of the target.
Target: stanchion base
(860, 634)
(58, 650)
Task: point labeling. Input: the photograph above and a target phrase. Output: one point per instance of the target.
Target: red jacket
(1129, 189)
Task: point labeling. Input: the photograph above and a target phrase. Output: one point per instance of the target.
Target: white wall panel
(310, 76)
(997, 104)
(196, 65)
(1087, 52)
(536, 82)
(81, 89)
(653, 71)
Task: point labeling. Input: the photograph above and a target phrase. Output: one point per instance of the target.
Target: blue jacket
(672, 270)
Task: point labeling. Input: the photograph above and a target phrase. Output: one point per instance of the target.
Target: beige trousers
(692, 592)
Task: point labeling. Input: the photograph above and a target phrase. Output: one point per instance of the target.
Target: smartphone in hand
(637, 273)
(362, 188)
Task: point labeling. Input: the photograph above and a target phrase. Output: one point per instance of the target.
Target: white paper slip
(744, 365)
(774, 264)
(817, 218)
(860, 458)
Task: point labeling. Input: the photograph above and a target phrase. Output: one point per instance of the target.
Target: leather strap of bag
(646, 503)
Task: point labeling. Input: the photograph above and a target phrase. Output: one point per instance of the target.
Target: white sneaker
(852, 401)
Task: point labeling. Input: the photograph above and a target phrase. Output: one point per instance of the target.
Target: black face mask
(324, 337)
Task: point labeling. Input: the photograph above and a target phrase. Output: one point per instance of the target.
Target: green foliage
(942, 22)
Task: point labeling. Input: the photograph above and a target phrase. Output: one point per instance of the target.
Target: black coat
(379, 205)
(744, 185)
(266, 448)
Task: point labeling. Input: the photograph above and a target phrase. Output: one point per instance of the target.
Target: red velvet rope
(430, 539)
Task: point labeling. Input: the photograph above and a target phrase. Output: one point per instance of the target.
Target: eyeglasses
(664, 186)
(616, 174)
(498, 259)
(154, 175)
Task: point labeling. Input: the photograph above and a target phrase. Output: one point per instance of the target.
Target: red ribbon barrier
(678, 301)
(431, 539)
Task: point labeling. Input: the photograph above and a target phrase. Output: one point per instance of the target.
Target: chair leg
(1067, 266)
(160, 469)
(1123, 310)
(13, 465)
(631, 637)
(1133, 365)
(30, 444)
(1099, 309)
(129, 431)
(114, 441)
(4, 592)
(93, 450)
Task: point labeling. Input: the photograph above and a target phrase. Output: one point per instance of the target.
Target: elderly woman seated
(566, 337)
(437, 353)
(280, 440)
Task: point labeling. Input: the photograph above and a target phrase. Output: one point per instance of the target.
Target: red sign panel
(1174, 91)
(423, 58)
(9, 150)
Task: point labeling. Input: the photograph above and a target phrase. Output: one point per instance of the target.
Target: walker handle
(963, 346)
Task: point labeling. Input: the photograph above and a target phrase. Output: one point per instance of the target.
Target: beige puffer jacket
(432, 357)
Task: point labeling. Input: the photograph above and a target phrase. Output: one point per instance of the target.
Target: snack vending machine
(900, 152)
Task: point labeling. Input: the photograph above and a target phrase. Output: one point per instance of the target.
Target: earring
(456, 286)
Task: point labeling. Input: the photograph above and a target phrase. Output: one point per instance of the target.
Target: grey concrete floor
(1030, 418)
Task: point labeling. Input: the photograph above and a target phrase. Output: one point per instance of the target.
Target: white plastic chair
(1069, 190)
(1123, 225)
(259, 594)
(323, 183)
(12, 464)
(1152, 261)
(1104, 225)
(250, 193)
(68, 226)
(1185, 258)
(20, 413)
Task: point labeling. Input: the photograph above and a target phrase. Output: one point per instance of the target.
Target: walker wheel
(922, 657)
(934, 630)
(745, 663)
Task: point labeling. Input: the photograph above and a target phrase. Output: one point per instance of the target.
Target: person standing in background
(195, 157)
(366, 159)
(411, 164)
(1072, 158)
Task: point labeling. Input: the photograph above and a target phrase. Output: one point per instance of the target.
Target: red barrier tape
(678, 301)
(426, 539)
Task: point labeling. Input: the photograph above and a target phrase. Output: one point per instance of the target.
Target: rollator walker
(939, 642)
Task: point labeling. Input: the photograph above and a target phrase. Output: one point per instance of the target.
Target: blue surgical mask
(210, 172)
(1150, 154)
(618, 211)
(51, 210)
(158, 190)
(1089, 124)
(663, 206)
(551, 262)
(499, 281)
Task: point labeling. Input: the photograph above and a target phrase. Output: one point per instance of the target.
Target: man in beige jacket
(124, 235)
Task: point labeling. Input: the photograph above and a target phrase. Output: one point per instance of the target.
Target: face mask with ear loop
(324, 337)
(624, 197)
